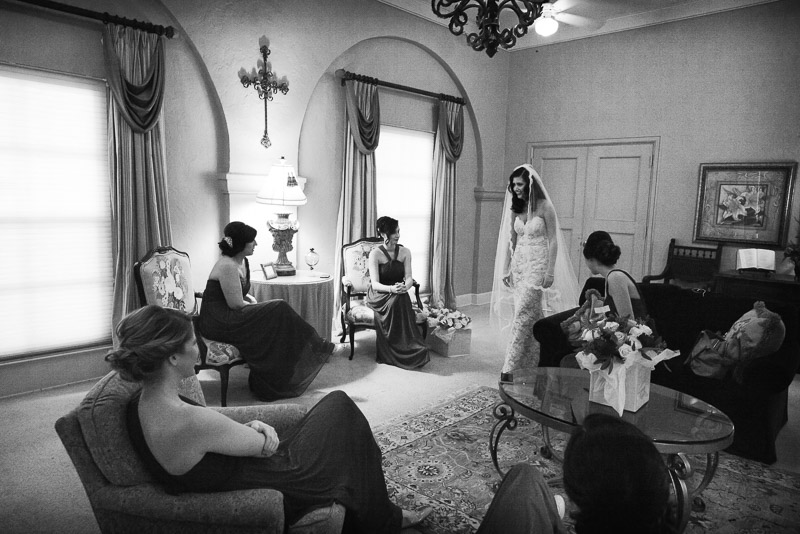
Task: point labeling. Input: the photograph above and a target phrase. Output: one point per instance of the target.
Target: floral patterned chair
(354, 313)
(164, 277)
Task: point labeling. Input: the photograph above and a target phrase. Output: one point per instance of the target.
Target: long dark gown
(330, 455)
(284, 352)
(397, 336)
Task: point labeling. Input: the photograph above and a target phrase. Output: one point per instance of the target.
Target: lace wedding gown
(528, 267)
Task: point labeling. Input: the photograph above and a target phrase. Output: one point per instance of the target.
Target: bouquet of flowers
(614, 339)
(619, 354)
(445, 318)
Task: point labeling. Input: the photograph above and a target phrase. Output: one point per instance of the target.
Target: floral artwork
(746, 203)
(169, 283)
(742, 205)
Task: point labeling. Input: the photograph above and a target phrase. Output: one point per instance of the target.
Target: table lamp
(281, 189)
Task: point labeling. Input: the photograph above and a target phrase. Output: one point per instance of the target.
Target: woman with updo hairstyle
(329, 456)
(397, 337)
(622, 296)
(283, 351)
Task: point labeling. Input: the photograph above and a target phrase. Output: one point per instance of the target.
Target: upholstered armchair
(164, 277)
(355, 314)
(125, 498)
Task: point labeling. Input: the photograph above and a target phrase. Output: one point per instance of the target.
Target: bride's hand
(548, 280)
(507, 280)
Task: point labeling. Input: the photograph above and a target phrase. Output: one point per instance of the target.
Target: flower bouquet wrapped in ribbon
(620, 354)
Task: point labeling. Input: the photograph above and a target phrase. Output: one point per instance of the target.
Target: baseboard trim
(45, 372)
(473, 299)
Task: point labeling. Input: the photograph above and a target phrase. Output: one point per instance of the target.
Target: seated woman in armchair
(157, 347)
(399, 341)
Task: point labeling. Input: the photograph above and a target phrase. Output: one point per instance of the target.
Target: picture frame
(747, 203)
(269, 270)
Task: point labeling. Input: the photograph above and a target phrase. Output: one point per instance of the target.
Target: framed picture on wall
(746, 203)
(269, 271)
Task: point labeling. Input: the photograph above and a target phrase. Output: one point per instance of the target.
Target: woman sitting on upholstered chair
(157, 347)
(283, 351)
(398, 339)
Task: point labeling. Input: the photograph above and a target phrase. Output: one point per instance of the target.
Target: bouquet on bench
(620, 354)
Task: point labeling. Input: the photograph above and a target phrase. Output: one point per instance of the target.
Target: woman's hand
(399, 287)
(271, 440)
(548, 280)
(507, 280)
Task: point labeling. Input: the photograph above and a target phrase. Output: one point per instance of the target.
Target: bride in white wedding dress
(532, 277)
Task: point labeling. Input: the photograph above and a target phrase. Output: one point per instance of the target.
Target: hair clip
(228, 240)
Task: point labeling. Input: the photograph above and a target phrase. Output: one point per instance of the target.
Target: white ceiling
(607, 16)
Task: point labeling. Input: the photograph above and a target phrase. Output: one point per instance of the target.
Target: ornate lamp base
(283, 230)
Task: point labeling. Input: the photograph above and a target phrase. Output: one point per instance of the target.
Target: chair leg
(352, 342)
(344, 328)
(223, 385)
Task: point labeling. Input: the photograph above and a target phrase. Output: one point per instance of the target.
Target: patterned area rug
(440, 457)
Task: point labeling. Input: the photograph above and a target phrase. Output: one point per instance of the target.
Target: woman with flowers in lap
(189, 448)
(398, 339)
(283, 351)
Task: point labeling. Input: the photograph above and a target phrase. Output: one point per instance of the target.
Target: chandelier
(489, 36)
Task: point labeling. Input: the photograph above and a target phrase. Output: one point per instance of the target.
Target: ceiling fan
(558, 11)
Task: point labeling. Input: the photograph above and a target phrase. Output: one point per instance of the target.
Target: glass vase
(312, 258)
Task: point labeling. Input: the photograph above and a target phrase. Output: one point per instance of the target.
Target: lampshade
(280, 187)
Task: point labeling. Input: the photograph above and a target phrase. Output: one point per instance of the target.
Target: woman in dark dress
(329, 456)
(622, 297)
(283, 351)
(398, 339)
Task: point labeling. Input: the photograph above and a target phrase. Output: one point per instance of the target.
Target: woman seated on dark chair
(622, 297)
(398, 339)
(613, 475)
(283, 351)
(330, 455)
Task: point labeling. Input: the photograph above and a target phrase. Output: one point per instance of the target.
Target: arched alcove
(320, 149)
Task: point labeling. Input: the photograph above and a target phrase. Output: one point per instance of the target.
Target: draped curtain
(134, 63)
(358, 204)
(446, 151)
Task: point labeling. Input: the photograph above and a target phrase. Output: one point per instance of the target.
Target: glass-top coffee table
(679, 424)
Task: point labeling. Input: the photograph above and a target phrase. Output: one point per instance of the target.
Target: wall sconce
(281, 189)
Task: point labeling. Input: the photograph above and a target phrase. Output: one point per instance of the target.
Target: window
(55, 215)
(404, 190)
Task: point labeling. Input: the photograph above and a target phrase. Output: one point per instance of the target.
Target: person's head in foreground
(617, 479)
(150, 338)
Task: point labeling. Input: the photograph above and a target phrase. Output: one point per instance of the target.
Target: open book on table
(755, 259)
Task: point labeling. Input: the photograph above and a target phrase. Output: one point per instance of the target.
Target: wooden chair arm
(416, 291)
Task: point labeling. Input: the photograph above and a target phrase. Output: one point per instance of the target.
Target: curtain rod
(346, 75)
(168, 32)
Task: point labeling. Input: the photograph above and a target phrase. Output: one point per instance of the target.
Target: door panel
(600, 187)
(563, 171)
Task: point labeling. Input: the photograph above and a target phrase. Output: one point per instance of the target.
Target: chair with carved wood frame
(355, 314)
(692, 266)
(164, 277)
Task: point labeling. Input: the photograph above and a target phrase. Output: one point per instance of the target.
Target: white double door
(601, 187)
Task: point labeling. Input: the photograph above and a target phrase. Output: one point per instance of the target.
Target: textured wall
(720, 88)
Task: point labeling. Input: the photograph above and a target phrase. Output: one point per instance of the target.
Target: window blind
(404, 190)
(55, 216)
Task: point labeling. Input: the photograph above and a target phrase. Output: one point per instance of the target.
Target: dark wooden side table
(758, 286)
